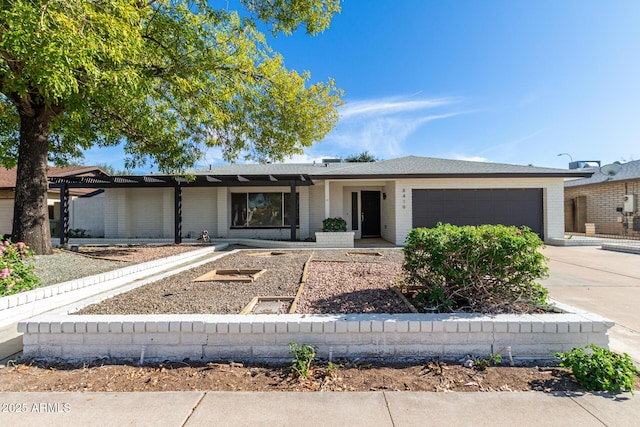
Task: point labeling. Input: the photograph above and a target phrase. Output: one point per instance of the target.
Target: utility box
(629, 203)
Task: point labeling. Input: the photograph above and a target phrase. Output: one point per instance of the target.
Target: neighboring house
(8, 186)
(610, 201)
(379, 199)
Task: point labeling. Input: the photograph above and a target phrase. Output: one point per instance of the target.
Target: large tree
(165, 78)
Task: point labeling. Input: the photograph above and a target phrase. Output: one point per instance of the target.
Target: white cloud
(387, 106)
(381, 126)
(304, 158)
(471, 158)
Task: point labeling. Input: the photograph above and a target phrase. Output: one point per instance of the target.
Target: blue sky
(501, 81)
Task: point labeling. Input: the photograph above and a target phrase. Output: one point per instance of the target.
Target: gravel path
(338, 282)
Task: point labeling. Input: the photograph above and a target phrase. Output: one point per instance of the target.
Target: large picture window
(249, 210)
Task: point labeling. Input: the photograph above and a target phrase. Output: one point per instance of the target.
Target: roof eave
(456, 175)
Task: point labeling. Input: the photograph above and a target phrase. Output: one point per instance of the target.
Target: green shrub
(304, 357)
(334, 224)
(487, 268)
(600, 369)
(16, 268)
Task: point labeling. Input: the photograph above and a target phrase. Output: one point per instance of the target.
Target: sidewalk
(393, 409)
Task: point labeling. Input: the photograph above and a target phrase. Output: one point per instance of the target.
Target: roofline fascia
(456, 175)
(602, 182)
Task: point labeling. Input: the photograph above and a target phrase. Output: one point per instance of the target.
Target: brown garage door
(476, 207)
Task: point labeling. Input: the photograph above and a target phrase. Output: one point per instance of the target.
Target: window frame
(239, 208)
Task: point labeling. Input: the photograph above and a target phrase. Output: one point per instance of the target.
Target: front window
(249, 210)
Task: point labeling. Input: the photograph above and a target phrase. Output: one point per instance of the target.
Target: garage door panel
(477, 207)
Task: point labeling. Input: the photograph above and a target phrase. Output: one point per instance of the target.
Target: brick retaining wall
(267, 337)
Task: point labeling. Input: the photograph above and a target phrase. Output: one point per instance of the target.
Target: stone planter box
(334, 239)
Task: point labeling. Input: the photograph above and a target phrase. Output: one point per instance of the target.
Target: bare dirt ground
(135, 254)
(333, 268)
(183, 376)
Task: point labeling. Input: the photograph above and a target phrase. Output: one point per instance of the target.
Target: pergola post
(64, 215)
(177, 192)
(293, 212)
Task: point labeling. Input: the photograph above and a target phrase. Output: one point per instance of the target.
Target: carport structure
(177, 183)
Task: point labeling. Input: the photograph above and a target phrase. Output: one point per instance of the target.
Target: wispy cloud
(507, 148)
(382, 125)
(387, 106)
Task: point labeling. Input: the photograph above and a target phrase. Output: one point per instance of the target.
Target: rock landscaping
(344, 375)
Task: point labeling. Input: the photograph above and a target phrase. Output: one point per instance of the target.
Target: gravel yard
(337, 282)
(64, 265)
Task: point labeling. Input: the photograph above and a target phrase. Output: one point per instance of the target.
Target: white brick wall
(337, 239)
(267, 337)
(88, 213)
(199, 211)
(150, 211)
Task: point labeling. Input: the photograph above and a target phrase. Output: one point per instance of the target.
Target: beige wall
(602, 201)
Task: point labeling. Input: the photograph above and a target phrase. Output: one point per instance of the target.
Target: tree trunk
(30, 212)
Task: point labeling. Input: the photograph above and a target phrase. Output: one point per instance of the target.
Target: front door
(370, 214)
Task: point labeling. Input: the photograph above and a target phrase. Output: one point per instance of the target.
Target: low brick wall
(335, 239)
(267, 337)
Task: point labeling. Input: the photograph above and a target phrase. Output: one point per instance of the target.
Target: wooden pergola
(177, 183)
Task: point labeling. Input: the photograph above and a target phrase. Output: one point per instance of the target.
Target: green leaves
(17, 271)
(488, 268)
(286, 15)
(600, 369)
(304, 359)
(168, 78)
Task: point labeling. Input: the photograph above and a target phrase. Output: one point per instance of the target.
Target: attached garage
(482, 206)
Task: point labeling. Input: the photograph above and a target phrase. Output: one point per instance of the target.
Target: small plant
(481, 363)
(16, 268)
(332, 369)
(304, 358)
(334, 224)
(597, 368)
(78, 232)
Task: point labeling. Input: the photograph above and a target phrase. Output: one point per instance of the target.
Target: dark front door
(370, 214)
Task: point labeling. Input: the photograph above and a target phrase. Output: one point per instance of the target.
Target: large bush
(488, 268)
(16, 268)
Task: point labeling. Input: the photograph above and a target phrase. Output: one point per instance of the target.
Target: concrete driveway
(602, 282)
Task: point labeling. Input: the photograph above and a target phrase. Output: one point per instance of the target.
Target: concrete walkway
(602, 282)
(393, 409)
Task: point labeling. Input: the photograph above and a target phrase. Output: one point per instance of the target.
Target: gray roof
(630, 170)
(407, 167)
